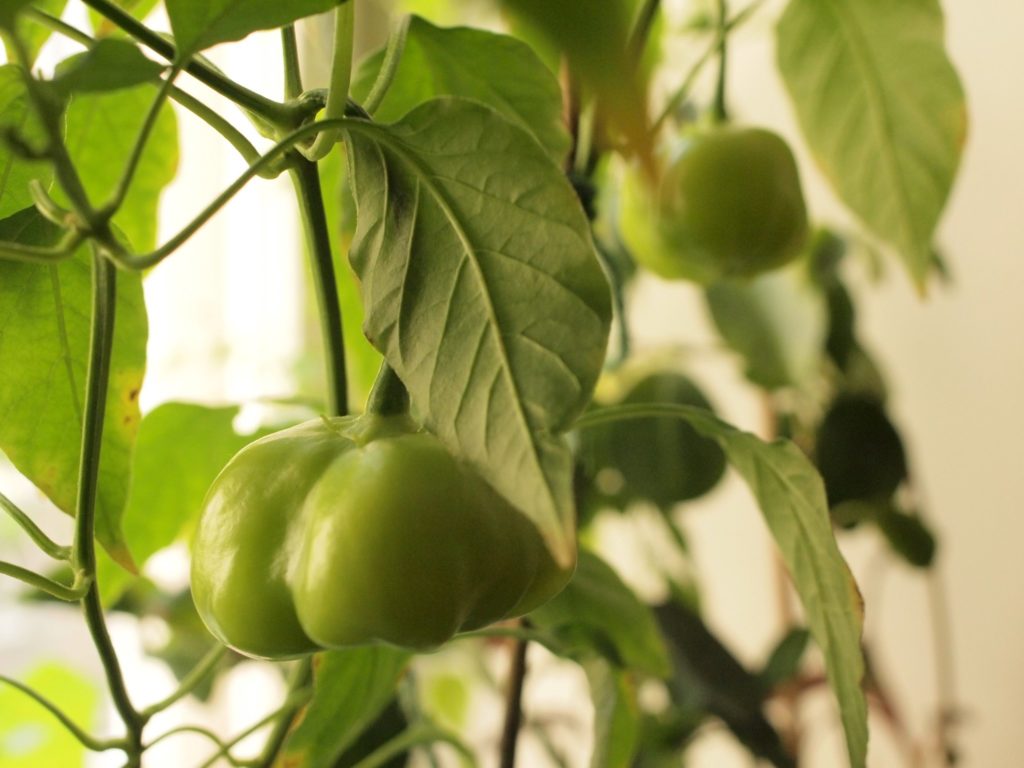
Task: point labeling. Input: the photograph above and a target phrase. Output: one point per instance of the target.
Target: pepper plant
(477, 205)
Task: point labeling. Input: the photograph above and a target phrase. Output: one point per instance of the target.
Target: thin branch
(514, 704)
(85, 739)
(53, 588)
(392, 57)
(205, 666)
(44, 542)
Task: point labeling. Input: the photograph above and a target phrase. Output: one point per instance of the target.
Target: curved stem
(292, 703)
(33, 254)
(299, 692)
(392, 57)
(306, 176)
(514, 704)
(280, 114)
(341, 78)
(719, 110)
(85, 739)
(205, 666)
(101, 337)
(53, 588)
(44, 542)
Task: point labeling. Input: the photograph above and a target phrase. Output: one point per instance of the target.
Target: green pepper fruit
(661, 460)
(729, 204)
(354, 530)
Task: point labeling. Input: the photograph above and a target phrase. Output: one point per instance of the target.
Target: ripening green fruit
(729, 204)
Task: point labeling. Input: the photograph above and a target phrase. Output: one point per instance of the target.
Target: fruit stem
(389, 396)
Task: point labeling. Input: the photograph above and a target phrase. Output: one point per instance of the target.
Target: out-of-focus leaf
(708, 676)
(908, 535)
(776, 322)
(30, 737)
(616, 715)
(785, 658)
(497, 70)
(598, 613)
(353, 687)
(389, 724)
(882, 108)
(110, 65)
(33, 35)
(44, 344)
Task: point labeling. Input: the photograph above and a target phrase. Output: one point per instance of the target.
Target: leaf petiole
(44, 542)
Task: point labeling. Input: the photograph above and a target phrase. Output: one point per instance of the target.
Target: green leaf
(30, 736)
(709, 677)
(908, 535)
(44, 344)
(17, 115)
(791, 496)
(110, 65)
(598, 613)
(179, 451)
(616, 715)
(497, 70)
(9, 11)
(32, 34)
(882, 109)
(595, 42)
(198, 24)
(482, 289)
(352, 688)
(777, 323)
(785, 658)
(102, 129)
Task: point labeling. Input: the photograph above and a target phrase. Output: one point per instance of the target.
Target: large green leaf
(882, 109)
(15, 172)
(791, 496)
(44, 344)
(482, 289)
(598, 614)
(497, 70)
(101, 131)
(352, 688)
(198, 24)
(179, 451)
(777, 322)
(30, 736)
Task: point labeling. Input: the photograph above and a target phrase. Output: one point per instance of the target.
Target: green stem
(44, 542)
(291, 704)
(53, 588)
(306, 177)
(392, 57)
(719, 111)
(225, 751)
(407, 740)
(34, 254)
(85, 739)
(388, 397)
(101, 338)
(292, 68)
(299, 692)
(205, 666)
(514, 704)
(618, 304)
(288, 114)
(341, 78)
(140, 142)
(642, 28)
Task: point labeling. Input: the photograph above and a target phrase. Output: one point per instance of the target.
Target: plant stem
(101, 338)
(405, 741)
(719, 110)
(942, 636)
(53, 588)
(294, 701)
(514, 704)
(341, 77)
(205, 666)
(642, 29)
(298, 695)
(44, 542)
(306, 177)
(289, 114)
(33, 254)
(388, 67)
(292, 69)
(85, 739)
